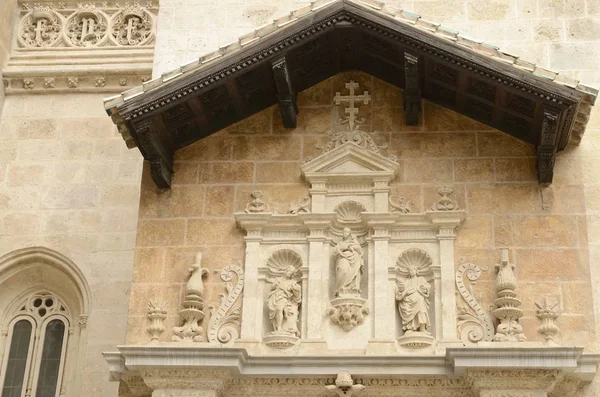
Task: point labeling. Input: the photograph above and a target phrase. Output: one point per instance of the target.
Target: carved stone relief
(475, 323)
(413, 293)
(157, 314)
(224, 324)
(547, 313)
(344, 386)
(86, 25)
(191, 313)
(507, 304)
(284, 298)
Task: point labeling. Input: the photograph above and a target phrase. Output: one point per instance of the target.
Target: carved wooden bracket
(285, 93)
(546, 150)
(158, 154)
(412, 90)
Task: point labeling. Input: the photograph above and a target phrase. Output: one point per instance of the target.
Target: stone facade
(68, 183)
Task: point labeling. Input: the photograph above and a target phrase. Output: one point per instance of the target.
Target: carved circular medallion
(86, 28)
(40, 28)
(132, 27)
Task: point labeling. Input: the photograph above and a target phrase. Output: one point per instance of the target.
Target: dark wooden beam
(285, 93)
(158, 154)
(546, 150)
(412, 90)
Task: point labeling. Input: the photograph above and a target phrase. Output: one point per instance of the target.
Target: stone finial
(157, 314)
(344, 385)
(191, 313)
(445, 203)
(547, 313)
(507, 304)
(256, 205)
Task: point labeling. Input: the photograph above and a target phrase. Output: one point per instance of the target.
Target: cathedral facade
(337, 198)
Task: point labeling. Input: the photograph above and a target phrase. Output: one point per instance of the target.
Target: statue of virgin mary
(349, 265)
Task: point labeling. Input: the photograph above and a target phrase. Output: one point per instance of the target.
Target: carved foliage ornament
(157, 314)
(86, 27)
(40, 27)
(191, 313)
(132, 26)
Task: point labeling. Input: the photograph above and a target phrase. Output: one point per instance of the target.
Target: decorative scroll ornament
(413, 296)
(40, 27)
(191, 313)
(401, 205)
(445, 203)
(224, 324)
(86, 27)
(352, 123)
(507, 304)
(157, 314)
(256, 205)
(301, 207)
(284, 299)
(475, 325)
(344, 386)
(547, 313)
(132, 26)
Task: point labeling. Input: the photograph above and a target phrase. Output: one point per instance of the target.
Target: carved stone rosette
(507, 304)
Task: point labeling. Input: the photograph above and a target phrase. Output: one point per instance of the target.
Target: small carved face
(412, 271)
(346, 232)
(290, 272)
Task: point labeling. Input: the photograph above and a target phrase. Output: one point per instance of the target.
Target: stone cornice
(455, 362)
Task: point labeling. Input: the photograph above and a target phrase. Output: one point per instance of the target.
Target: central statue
(413, 302)
(349, 259)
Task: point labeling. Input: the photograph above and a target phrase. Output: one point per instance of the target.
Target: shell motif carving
(414, 257)
(349, 211)
(281, 260)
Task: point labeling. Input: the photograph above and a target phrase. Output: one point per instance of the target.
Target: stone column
(251, 299)
(317, 264)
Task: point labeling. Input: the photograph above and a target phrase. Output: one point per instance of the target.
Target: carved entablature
(350, 253)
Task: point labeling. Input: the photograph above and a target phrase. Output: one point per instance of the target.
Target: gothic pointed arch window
(43, 326)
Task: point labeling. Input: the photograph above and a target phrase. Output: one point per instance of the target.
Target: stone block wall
(493, 176)
(68, 183)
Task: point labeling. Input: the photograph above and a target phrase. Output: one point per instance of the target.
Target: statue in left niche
(191, 313)
(285, 298)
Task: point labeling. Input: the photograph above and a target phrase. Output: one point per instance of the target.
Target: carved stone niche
(348, 238)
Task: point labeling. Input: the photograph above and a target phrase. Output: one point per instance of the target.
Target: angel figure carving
(283, 302)
(413, 302)
(349, 259)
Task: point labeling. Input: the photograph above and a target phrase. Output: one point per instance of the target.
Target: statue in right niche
(349, 265)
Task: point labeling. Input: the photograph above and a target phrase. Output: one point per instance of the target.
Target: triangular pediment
(351, 160)
(271, 64)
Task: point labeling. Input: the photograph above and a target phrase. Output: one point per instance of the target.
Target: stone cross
(352, 111)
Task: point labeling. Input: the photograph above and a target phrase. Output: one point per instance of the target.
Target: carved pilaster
(285, 93)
